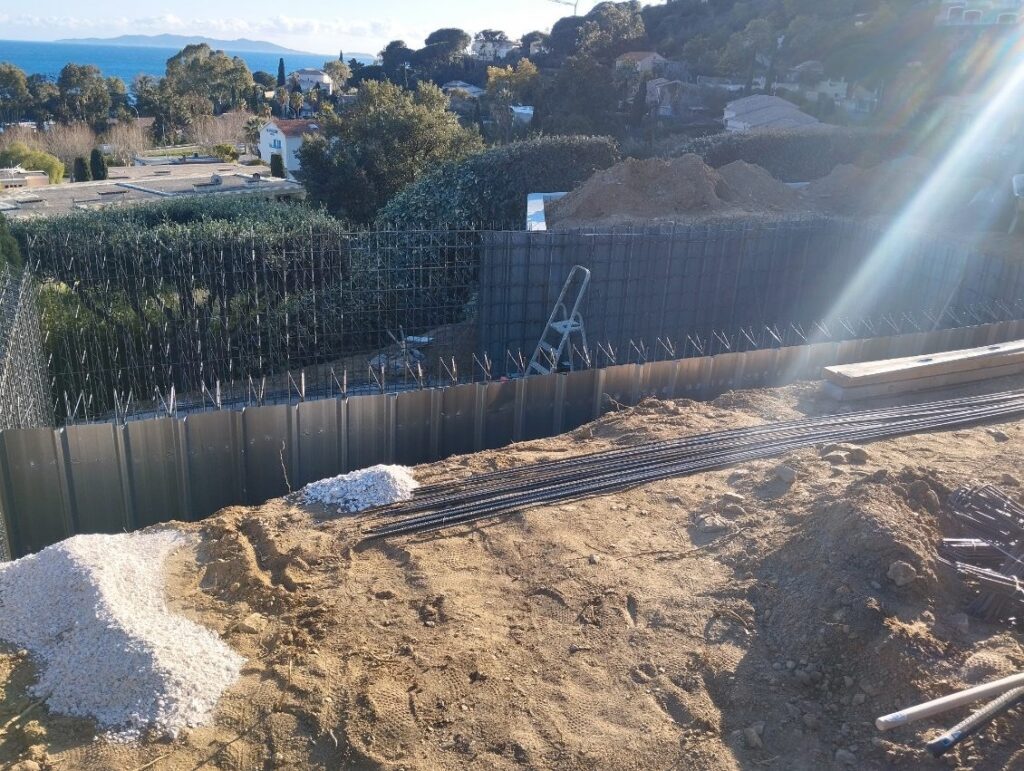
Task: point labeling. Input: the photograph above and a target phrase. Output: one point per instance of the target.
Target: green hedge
(490, 189)
(793, 156)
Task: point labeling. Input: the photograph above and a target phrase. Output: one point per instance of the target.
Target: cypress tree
(80, 170)
(280, 72)
(97, 164)
(341, 55)
(277, 165)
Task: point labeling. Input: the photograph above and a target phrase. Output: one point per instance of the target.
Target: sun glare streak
(933, 201)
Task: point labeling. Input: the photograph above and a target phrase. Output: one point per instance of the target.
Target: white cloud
(371, 34)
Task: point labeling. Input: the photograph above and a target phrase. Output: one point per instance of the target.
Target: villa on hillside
(309, 78)
(642, 62)
(284, 138)
(488, 50)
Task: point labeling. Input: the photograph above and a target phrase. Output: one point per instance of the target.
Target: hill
(180, 41)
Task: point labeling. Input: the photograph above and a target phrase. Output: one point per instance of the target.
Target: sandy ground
(617, 632)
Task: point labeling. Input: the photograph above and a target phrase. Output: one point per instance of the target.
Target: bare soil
(726, 620)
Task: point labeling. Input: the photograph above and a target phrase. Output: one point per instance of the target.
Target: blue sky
(320, 26)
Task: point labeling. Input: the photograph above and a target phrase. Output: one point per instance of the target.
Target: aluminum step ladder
(562, 324)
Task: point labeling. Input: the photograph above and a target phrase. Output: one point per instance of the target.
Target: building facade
(284, 138)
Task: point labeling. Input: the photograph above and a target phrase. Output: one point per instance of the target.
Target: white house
(308, 78)
(284, 138)
(761, 111)
(493, 50)
(453, 86)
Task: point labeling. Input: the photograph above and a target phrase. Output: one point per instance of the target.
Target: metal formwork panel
(367, 430)
(578, 404)
(412, 427)
(499, 413)
(620, 385)
(215, 469)
(659, 378)
(155, 475)
(33, 483)
(726, 369)
(458, 420)
(539, 407)
(268, 446)
(92, 458)
(908, 345)
(689, 378)
(319, 450)
(815, 357)
(758, 368)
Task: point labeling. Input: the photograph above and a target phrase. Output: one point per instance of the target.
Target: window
(972, 17)
(955, 13)
(1007, 18)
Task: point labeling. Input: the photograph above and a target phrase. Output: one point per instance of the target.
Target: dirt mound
(636, 190)
(754, 188)
(728, 620)
(886, 189)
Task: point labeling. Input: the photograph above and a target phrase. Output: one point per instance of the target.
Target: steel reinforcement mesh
(135, 327)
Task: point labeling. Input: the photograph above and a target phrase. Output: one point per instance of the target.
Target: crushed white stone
(362, 489)
(92, 613)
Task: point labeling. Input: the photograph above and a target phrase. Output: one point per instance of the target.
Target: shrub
(9, 252)
(792, 156)
(80, 170)
(490, 188)
(19, 154)
(97, 164)
(276, 165)
(225, 152)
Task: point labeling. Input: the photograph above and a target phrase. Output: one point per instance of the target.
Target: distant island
(242, 45)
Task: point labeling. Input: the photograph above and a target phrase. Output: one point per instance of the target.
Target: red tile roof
(296, 128)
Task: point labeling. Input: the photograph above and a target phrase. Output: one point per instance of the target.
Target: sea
(126, 62)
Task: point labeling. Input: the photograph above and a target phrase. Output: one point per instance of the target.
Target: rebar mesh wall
(23, 381)
(239, 319)
(680, 285)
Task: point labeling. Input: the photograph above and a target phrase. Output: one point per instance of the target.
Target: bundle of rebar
(510, 491)
(992, 559)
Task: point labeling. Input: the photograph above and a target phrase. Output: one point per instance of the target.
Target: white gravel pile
(92, 613)
(363, 489)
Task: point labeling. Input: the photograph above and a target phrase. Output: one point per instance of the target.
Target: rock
(961, 623)
(752, 738)
(786, 473)
(734, 511)
(712, 524)
(1009, 480)
(254, 623)
(846, 757)
(811, 720)
(733, 498)
(902, 573)
(835, 458)
(999, 436)
(26, 765)
(858, 699)
(858, 455)
(594, 559)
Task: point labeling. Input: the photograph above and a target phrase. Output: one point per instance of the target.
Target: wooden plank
(912, 367)
(855, 393)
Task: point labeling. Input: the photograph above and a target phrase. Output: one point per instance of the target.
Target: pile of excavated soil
(727, 620)
(643, 190)
(754, 188)
(887, 188)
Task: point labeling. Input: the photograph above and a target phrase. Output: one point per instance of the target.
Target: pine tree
(97, 164)
(280, 72)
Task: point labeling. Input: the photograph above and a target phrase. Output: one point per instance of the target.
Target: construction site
(713, 472)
